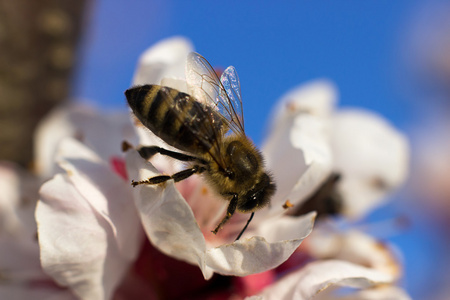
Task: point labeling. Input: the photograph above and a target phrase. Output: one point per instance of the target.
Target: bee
(207, 126)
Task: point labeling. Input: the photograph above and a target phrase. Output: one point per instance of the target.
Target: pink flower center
(118, 166)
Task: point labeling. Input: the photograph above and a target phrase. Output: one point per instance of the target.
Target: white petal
(355, 247)
(250, 256)
(49, 133)
(178, 84)
(285, 162)
(372, 156)
(287, 227)
(379, 293)
(22, 276)
(172, 228)
(255, 255)
(73, 242)
(318, 276)
(299, 155)
(105, 191)
(87, 227)
(165, 59)
(9, 199)
(167, 218)
(301, 112)
(103, 133)
(317, 98)
(310, 135)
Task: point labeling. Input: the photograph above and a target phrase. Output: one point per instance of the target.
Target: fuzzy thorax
(244, 176)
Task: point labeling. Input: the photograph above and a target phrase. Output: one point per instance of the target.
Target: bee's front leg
(230, 211)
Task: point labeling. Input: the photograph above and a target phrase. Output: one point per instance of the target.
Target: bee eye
(229, 173)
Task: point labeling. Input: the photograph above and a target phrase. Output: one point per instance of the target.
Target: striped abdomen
(176, 117)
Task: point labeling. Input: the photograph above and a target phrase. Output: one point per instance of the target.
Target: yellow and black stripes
(176, 117)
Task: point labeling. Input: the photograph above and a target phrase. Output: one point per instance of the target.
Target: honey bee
(207, 125)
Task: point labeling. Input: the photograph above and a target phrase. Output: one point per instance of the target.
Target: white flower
(299, 152)
(371, 158)
(90, 220)
(89, 232)
(169, 221)
(318, 276)
(353, 246)
(370, 155)
(21, 275)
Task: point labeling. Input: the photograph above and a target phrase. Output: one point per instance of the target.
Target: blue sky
(275, 46)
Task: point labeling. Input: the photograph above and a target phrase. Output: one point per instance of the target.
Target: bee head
(259, 196)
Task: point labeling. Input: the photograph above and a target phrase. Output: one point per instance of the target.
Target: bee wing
(231, 100)
(206, 125)
(223, 94)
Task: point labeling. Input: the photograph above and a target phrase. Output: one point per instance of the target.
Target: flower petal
(372, 156)
(105, 191)
(287, 227)
(102, 133)
(282, 236)
(88, 233)
(355, 247)
(250, 256)
(286, 162)
(9, 199)
(165, 59)
(172, 228)
(318, 276)
(297, 149)
(379, 293)
(300, 158)
(72, 239)
(167, 218)
(317, 98)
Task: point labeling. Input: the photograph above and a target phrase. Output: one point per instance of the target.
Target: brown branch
(38, 41)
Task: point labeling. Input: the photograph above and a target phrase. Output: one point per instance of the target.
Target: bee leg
(230, 211)
(147, 152)
(245, 227)
(186, 173)
(176, 177)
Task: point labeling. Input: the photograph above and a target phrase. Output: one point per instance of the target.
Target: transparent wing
(223, 94)
(203, 123)
(232, 96)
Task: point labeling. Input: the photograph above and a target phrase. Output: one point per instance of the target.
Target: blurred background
(392, 57)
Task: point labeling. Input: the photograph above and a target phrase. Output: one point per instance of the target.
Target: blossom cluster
(100, 238)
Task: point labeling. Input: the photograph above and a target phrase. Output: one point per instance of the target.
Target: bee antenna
(245, 227)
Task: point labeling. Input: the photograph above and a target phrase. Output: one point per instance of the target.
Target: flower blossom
(371, 158)
(21, 274)
(171, 226)
(370, 155)
(93, 225)
(301, 132)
